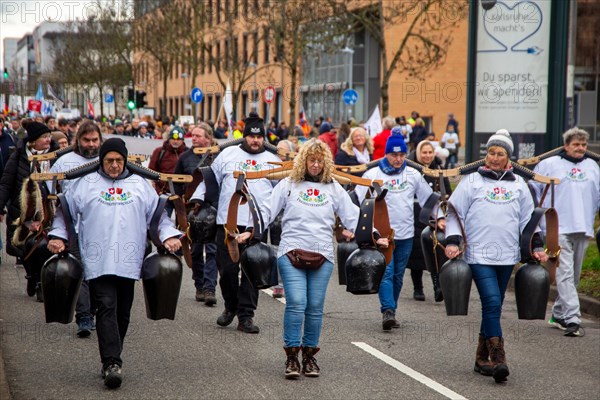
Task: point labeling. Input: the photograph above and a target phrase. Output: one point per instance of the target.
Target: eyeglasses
(313, 161)
(111, 161)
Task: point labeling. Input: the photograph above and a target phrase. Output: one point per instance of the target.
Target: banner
(373, 125)
(90, 110)
(511, 78)
(228, 106)
(34, 105)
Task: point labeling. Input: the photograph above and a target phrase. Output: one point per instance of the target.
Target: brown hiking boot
(199, 295)
(483, 365)
(309, 364)
(292, 365)
(495, 347)
(209, 298)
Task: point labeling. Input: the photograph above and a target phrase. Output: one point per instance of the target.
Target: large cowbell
(532, 287)
(161, 278)
(366, 265)
(203, 226)
(259, 263)
(344, 249)
(61, 279)
(455, 280)
(430, 257)
(364, 270)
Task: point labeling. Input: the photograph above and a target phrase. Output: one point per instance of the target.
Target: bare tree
(426, 28)
(156, 38)
(95, 52)
(304, 27)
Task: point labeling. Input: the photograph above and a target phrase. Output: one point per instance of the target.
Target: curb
(587, 304)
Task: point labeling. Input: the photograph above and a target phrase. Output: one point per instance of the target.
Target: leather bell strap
(231, 230)
(73, 239)
(429, 207)
(182, 224)
(552, 246)
(374, 212)
(155, 220)
(452, 209)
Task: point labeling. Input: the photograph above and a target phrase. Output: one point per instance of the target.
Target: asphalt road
(430, 357)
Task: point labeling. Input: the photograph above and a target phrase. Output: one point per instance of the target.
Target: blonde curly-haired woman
(310, 198)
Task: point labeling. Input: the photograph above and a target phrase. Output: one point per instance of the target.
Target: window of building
(267, 52)
(227, 53)
(255, 48)
(218, 56)
(245, 47)
(210, 11)
(210, 64)
(218, 11)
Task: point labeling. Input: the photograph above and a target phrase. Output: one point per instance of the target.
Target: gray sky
(18, 17)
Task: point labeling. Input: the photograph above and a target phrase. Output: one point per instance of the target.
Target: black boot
(292, 365)
(437, 289)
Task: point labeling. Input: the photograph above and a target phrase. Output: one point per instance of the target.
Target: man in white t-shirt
(450, 141)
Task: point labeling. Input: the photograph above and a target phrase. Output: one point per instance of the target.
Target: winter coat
(330, 138)
(187, 164)
(345, 158)
(166, 163)
(16, 171)
(6, 142)
(379, 143)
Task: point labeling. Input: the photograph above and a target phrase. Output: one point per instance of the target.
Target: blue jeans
(391, 284)
(304, 296)
(491, 282)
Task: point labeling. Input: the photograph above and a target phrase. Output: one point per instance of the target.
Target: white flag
(228, 106)
(373, 124)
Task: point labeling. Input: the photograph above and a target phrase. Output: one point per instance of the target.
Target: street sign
(197, 95)
(350, 96)
(109, 98)
(269, 94)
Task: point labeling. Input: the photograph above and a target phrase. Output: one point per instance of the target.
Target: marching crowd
(487, 213)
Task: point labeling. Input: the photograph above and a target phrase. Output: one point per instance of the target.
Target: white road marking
(409, 371)
(269, 292)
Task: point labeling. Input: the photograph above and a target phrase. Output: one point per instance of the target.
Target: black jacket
(187, 164)
(17, 169)
(343, 158)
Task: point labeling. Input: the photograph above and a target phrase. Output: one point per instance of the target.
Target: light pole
(350, 53)
(255, 90)
(185, 96)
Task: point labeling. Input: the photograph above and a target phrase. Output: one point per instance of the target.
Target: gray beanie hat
(501, 138)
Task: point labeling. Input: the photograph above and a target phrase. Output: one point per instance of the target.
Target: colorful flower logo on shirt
(313, 197)
(576, 174)
(115, 195)
(500, 194)
(395, 185)
(250, 165)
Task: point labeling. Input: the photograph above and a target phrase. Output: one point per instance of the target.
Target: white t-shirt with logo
(577, 197)
(494, 214)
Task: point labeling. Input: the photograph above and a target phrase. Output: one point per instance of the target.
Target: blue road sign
(109, 98)
(197, 95)
(350, 96)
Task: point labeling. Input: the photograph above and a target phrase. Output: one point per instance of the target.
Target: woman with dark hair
(424, 155)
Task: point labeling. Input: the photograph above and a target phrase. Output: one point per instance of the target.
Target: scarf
(504, 175)
(361, 156)
(563, 154)
(387, 168)
(309, 178)
(44, 166)
(244, 146)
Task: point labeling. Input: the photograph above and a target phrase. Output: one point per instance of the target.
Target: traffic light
(140, 99)
(130, 99)
(5, 73)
